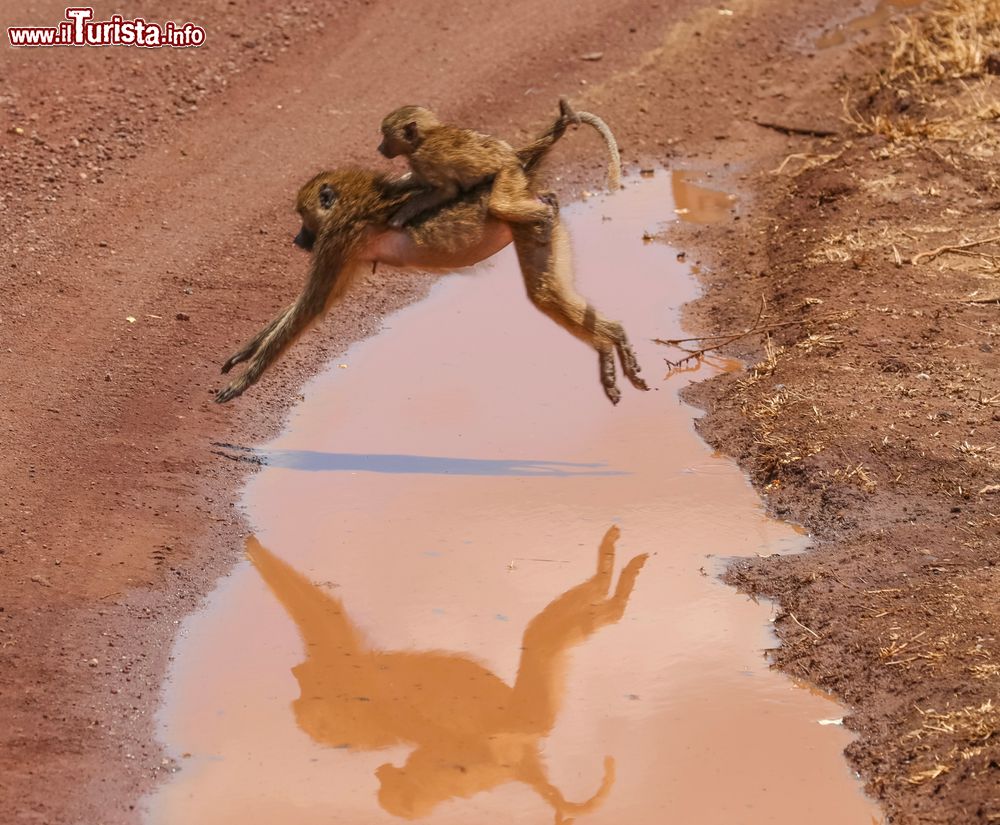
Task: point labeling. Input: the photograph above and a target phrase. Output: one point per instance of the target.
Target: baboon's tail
(614, 156)
(533, 154)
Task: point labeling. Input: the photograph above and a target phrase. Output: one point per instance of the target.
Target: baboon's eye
(327, 196)
(410, 132)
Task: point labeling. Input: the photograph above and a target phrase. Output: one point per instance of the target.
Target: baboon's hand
(613, 393)
(234, 390)
(238, 358)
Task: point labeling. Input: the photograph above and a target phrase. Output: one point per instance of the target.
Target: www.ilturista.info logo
(80, 29)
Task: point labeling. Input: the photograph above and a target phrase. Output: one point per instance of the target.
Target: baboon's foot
(607, 366)
(630, 365)
(550, 200)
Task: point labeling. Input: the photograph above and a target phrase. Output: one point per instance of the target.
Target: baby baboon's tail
(532, 154)
(568, 115)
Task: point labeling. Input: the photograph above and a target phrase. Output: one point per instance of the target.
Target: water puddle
(479, 593)
(882, 13)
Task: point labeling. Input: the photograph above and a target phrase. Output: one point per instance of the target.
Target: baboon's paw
(613, 393)
(234, 390)
(630, 366)
(637, 381)
(550, 200)
(232, 362)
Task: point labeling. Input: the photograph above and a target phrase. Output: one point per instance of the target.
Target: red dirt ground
(156, 186)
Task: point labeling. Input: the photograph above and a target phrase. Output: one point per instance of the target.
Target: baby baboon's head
(405, 129)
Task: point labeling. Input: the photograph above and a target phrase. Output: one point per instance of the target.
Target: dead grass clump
(972, 729)
(936, 87)
(951, 41)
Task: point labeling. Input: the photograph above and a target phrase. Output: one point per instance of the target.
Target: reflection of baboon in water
(471, 730)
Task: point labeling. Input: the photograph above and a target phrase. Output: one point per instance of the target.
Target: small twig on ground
(809, 161)
(795, 130)
(931, 254)
(727, 338)
(723, 340)
(807, 629)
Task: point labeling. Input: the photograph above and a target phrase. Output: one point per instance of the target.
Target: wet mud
(478, 592)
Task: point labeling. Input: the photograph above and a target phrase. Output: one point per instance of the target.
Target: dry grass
(940, 61)
(953, 40)
(971, 731)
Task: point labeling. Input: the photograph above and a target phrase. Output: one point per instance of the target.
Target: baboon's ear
(410, 131)
(327, 195)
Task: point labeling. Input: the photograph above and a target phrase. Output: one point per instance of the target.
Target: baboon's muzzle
(305, 239)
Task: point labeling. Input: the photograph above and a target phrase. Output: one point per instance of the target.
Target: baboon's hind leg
(546, 268)
(511, 199)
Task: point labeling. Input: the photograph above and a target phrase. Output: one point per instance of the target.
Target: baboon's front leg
(547, 271)
(327, 283)
(251, 346)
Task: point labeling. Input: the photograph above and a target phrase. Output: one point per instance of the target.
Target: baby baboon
(344, 218)
(446, 160)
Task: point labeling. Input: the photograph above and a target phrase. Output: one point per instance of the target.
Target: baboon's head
(404, 130)
(314, 202)
(338, 207)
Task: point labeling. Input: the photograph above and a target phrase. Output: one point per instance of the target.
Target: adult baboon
(345, 216)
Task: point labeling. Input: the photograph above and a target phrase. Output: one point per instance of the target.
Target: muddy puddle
(882, 13)
(479, 593)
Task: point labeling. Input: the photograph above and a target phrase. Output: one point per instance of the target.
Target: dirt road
(145, 211)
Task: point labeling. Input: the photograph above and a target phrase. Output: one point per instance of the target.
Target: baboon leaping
(345, 216)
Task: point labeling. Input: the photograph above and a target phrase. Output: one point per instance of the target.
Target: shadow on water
(469, 729)
(323, 462)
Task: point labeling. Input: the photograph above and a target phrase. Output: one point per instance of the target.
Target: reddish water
(439, 620)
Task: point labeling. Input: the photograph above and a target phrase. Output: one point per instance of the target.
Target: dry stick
(673, 342)
(795, 130)
(699, 354)
(814, 633)
(933, 253)
(730, 338)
